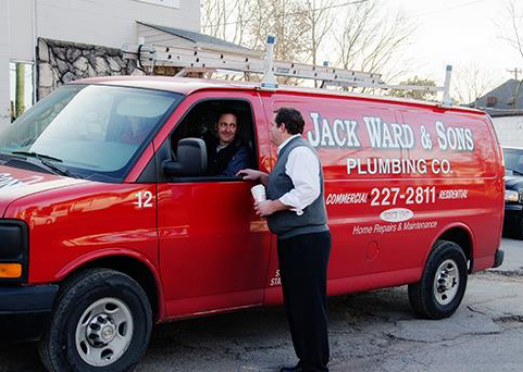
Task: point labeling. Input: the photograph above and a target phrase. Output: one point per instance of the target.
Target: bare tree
(369, 39)
(212, 13)
(470, 83)
(320, 20)
(513, 34)
(287, 20)
(415, 94)
(228, 19)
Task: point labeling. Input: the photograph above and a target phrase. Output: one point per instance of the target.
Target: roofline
(159, 29)
(505, 114)
(236, 50)
(233, 48)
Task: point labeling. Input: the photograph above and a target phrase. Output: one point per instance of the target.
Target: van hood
(17, 183)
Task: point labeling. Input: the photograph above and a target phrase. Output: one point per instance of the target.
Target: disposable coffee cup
(258, 193)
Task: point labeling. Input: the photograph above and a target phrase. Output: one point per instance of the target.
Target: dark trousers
(303, 267)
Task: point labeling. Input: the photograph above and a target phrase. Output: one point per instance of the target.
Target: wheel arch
(460, 234)
(128, 262)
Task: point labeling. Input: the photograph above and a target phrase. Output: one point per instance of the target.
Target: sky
(459, 33)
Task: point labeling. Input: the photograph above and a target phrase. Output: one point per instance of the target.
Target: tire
(442, 286)
(101, 321)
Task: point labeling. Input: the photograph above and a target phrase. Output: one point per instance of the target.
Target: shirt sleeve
(303, 168)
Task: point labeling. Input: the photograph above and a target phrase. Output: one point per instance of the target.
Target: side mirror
(191, 159)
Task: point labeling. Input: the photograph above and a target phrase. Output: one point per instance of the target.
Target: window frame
(204, 179)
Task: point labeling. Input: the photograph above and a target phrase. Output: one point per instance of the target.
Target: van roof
(187, 86)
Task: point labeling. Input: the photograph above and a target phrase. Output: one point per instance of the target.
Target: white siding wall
(21, 30)
(509, 130)
(4, 63)
(109, 23)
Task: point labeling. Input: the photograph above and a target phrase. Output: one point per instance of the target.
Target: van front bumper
(25, 311)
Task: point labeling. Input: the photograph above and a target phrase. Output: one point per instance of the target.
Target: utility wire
(294, 13)
(347, 4)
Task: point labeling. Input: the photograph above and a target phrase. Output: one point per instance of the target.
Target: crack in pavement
(507, 273)
(444, 339)
(261, 348)
(415, 356)
(476, 311)
(509, 319)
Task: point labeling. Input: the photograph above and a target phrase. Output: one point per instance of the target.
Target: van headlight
(14, 249)
(511, 196)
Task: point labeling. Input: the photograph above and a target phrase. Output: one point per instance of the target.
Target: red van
(110, 223)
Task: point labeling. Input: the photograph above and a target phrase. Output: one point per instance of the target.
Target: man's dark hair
(292, 119)
(225, 112)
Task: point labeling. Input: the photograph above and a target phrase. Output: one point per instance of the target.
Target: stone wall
(60, 62)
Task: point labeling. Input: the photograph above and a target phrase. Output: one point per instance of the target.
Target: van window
(93, 131)
(513, 160)
(224, 159)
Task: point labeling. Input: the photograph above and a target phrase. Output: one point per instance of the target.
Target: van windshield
(513, 160)
(92, 131)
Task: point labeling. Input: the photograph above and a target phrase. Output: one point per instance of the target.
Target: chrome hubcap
(104, 332)
(446, 283)
(101, 331)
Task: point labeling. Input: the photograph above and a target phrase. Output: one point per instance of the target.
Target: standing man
(227, 152)
(296, 213)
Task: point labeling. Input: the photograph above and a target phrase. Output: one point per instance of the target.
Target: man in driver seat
(227, 154)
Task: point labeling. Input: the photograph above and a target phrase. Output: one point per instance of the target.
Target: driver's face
(226, 128)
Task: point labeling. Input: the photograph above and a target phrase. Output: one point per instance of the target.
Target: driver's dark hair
(225, 112)
(291, 118)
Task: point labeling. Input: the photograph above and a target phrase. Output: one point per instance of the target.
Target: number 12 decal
(144, 199)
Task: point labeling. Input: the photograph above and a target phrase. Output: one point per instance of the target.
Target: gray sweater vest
(287, 223)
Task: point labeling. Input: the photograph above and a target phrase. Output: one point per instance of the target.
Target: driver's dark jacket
(229, 160)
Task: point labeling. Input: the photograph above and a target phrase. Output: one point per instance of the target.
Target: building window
(168, 3)
(492, 101)
(22, 88)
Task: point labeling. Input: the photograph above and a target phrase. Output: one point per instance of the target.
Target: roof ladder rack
(192, 60)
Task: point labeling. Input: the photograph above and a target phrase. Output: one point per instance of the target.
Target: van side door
(214, 250)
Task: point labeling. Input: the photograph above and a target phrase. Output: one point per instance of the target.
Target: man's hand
(253, 175)
(249, 174)
(265, 208)
(268, 207)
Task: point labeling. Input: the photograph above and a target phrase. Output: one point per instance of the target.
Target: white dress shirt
(303, 168)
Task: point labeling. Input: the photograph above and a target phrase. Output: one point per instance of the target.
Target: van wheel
(442, 287)
(101, 321)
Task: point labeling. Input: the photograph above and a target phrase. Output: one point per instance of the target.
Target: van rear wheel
(101, 321)
(442, 286)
